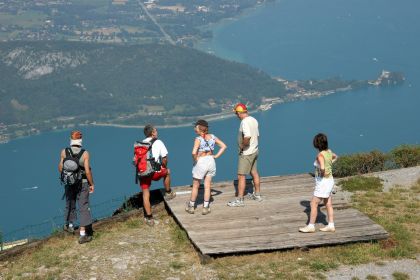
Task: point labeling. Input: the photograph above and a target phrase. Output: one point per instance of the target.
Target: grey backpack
(71, 174)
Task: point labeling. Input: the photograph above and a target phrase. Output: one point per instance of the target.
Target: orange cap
(240, 108)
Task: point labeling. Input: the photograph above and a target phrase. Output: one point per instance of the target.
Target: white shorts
(205, 166)
(323, 187)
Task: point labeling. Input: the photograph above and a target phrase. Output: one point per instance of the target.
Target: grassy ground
(132, 250)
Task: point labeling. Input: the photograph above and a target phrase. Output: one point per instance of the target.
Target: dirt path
(382, 270)
(404, 177)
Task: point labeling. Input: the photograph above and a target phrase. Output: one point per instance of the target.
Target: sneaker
(149, 221)
(68, 229)
(328, 229)
(307, 229)
(206, 210)
(236, 203)
(189, 208)
(85, 239)
(255, 197)
(169, 195)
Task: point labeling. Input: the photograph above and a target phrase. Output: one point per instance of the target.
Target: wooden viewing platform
(271, 224)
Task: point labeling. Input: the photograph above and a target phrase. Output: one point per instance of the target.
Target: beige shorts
(247, 163)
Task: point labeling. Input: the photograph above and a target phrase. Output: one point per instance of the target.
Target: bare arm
(60, 164)
(245, 142)
(165, 161)
(321, 163)
(89, 176)
(222, 147)
(334, 157)
(195, 149)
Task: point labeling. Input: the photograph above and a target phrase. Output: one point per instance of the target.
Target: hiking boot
(68, 229)
(256, 197)
(328, 229)
(149, 221)
(189, 208)
(236, 203)
(307, 229)
(85, 239)
(169, 195)
(206, 210)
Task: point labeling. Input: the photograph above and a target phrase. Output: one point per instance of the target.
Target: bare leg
(256, 179)
(194, 192)
(314, 209)
(241, 185)
(328, 205)
(146, 202)
(207, 185)
(167, 181)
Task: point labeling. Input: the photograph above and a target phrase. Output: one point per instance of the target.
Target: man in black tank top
(78, 193)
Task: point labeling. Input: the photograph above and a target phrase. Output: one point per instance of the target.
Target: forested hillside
(44, 81)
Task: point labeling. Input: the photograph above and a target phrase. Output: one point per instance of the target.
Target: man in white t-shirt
(248, 154)
(160, 153)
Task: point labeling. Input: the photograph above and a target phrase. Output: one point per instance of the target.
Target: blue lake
(295, 39)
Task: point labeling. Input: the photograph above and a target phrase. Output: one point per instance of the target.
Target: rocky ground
(380, 270)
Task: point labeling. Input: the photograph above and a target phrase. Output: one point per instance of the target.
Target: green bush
(360, 183)
(361, 163)
(406, 156)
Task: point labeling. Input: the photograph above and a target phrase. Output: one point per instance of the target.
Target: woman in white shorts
(324, 183)
(204, 164)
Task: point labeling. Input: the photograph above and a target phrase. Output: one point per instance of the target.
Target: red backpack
(144, 161)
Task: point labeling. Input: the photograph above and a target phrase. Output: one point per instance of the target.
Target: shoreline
(203, 44)
(296, 93)
(213, 117)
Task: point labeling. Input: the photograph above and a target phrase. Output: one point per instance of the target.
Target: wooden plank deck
(271, 224)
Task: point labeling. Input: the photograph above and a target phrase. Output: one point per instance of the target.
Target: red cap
(240, 108)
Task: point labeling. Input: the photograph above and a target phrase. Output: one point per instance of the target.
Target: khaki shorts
(247, 163)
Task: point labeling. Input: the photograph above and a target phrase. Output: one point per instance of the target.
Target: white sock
(70, 225)
(192, 203)
(311, 225)
(206, 203)
(331, 224)
(82, 233)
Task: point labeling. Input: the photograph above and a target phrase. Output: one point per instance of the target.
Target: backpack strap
(80, 154)
(149, 150)
(69, 153)
(152, 142)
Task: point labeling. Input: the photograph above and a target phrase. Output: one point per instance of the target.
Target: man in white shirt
(248, 155)
(160, 153)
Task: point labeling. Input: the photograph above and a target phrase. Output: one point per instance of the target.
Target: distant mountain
(47, 81)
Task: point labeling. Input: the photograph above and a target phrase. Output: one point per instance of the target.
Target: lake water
(295, 39)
